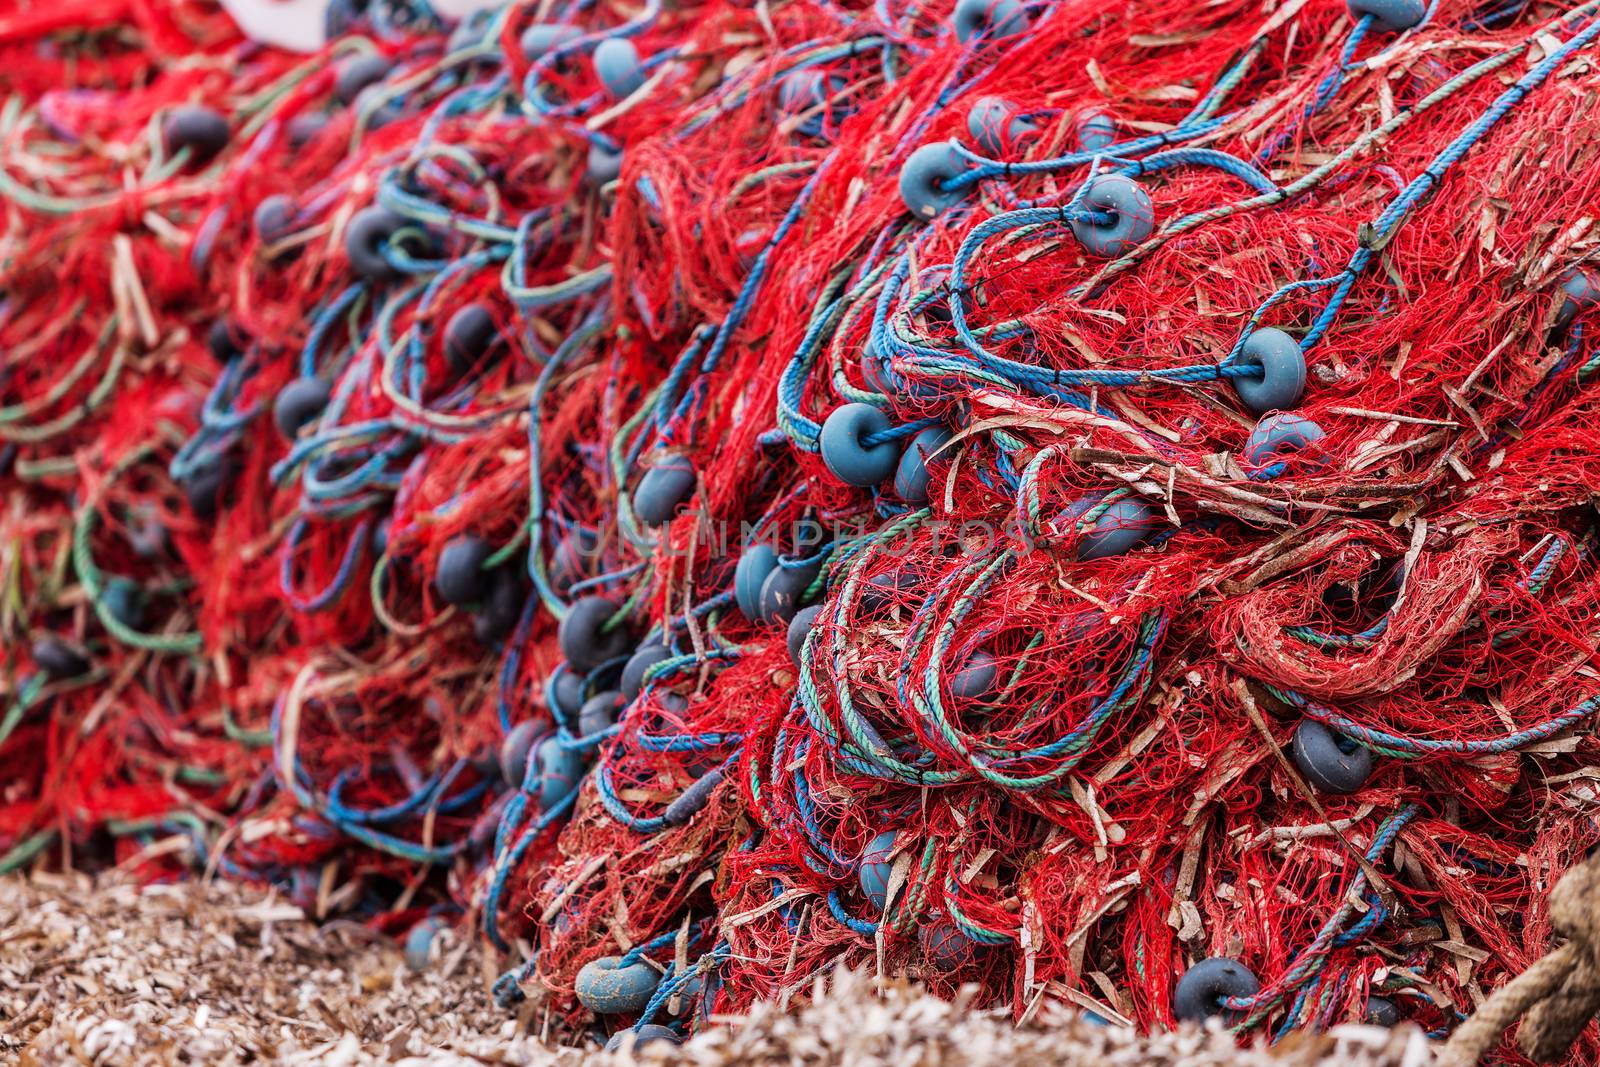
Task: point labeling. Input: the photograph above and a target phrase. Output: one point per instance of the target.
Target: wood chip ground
(105, 972)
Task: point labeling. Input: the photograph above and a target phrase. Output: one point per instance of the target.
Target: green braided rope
(32, 686)
(90, 576)
(240, 735)
(864, 743)
(1310, 179)
(98, 395)
(929, 704)
(26, 850)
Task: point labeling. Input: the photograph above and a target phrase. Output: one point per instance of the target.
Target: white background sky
(298, 24)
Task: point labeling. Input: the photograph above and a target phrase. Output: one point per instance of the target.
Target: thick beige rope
(1557, 996)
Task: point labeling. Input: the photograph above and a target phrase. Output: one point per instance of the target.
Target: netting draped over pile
(1095, 500)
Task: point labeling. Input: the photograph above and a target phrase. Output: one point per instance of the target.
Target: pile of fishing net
(1094, 500)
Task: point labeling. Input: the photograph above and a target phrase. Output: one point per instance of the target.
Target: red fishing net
(1170, 429)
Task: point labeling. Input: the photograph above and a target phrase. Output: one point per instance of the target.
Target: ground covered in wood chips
(111, 973)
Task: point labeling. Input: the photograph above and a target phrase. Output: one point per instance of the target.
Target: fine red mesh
(1124, 804)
